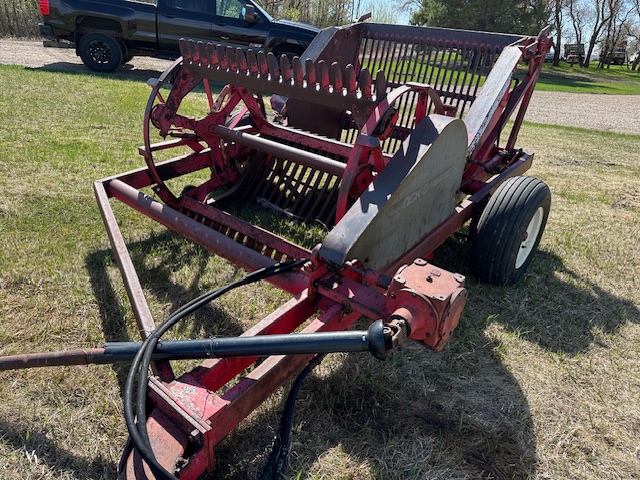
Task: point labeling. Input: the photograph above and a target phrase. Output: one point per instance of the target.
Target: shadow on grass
(155, 259)
(552, 306)
(416, 416)
(56, 459)
(126, 72)
(563, 312)
(79, 69)
(563, 80)
(456, 414)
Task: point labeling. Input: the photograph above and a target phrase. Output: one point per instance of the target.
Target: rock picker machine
(388, 137)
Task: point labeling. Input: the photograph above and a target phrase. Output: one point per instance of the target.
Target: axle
(374, 340)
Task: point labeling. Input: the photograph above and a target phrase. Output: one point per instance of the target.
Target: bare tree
(616, 30)
(557, 7)
(579, 12)
(634, 33)
(382, 11)
(597, 12)
(321, 13)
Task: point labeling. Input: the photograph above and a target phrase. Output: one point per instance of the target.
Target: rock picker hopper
(387, 136)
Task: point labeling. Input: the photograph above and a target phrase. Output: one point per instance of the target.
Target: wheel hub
(529, 237)
(100, 52)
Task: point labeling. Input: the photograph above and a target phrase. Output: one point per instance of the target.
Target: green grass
(540, 380)
(614, 80)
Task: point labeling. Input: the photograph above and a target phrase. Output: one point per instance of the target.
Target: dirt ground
(616, 113)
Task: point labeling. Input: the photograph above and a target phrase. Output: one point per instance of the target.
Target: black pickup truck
(108, 33)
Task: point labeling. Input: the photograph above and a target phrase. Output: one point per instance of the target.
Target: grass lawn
(540, 381)
(615, 80)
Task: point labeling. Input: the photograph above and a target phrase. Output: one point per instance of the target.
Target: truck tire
(100, 52)
(289, 50)
(509, 230)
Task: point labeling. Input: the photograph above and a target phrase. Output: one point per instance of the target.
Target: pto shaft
(372, 340)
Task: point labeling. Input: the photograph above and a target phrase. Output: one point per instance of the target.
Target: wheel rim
(100, 52)
(530, 237)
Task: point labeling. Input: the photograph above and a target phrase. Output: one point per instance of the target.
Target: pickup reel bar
(390, 164)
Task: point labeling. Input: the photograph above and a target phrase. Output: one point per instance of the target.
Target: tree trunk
(557, 20)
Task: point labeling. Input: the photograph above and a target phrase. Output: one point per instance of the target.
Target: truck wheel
(100, 52)
(289, 50)
(509, 230)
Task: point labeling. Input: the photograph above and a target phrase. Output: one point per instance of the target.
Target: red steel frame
(189, 417)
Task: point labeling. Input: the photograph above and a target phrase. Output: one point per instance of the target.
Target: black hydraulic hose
(280, 451)
(136, 421)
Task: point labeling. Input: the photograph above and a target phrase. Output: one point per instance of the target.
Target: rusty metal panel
(412, 195)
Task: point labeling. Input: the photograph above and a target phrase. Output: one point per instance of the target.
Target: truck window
(229, 8)
(199, 6)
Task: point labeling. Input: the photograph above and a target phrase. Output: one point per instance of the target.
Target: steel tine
(202, 54)
(222, 59)
(385, 55)
(336, 74)
(213, 55)
(288, 184)
(274, 69)
(305, 190)
(193, 51)
(266, 180)
(298, 75)
(285, 69)
(252, 63)
(381, 85)
(310, 72)
(278, 176)
(399, 54)
(231, 59)
(322, 183)
(350, 80)
(314, 183)
(241, 60)
(196, 58)
(324, 75)
(183, 48)
(263, 67)
(470, 48)
(329, 192)
(415, 51)
(365, 83)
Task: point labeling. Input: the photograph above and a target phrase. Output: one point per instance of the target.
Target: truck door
(231, 28)
(184, 19)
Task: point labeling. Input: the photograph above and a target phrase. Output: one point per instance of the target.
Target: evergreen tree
(512, 16)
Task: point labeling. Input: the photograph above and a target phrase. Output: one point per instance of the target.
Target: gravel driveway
(616, 113)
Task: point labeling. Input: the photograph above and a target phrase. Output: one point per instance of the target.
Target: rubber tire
(100, 52)
(502, 230)
(289, 51)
